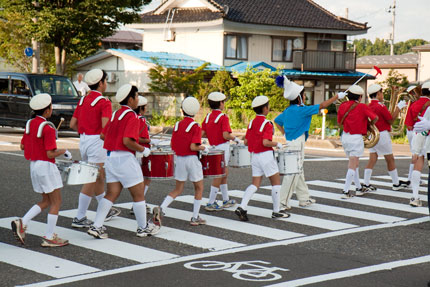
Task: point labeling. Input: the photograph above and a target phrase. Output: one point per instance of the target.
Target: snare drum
(73, 173)
(289, 162)
(159, 165)
(239, 156)
(213, 163)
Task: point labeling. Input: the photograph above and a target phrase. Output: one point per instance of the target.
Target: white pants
(384, 146)
(263, 163)
(122, 166)
(188, 167)
(418, 145)
(45, 176)
(91, 148)
(353, 145)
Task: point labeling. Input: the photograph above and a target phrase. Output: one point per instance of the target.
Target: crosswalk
(330, 213)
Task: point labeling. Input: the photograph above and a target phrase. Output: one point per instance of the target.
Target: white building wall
(424, 66)
(410, 73)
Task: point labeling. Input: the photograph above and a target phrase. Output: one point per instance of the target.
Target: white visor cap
(40, 102)
(93, 76)
(374, 89)
(123, 92)
(142, 101)
(216, 97)
(191, 106)
(356, 90)
(426, 85)
(259, 101)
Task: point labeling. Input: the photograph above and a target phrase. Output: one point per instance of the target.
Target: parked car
(16, 90)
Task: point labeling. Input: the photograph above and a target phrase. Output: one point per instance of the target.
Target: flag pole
(378, 71)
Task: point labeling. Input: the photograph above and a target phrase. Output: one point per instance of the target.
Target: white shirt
(82, 87)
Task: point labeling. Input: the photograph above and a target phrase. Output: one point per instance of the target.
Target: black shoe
(361, 191)
(242, 214)
(281, 214)
(404, 183)
(370, 187)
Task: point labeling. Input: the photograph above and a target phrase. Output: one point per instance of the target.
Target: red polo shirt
(143, 130)
(214, 130)
(35, 148)
(90, 118)
(383, 115)
(356, 121)
(413, 111)
(182, 140)
(255, 137)
(116, 130)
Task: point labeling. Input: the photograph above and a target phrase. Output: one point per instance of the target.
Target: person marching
(121, 136)
(258, 138)
(216, 127)
(294, 123)
(40, 148)
(353, 116)
(90, 117)
(186, 143)
(383, 147)
(414, 116)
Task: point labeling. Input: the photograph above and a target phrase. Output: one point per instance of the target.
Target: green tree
(220, 82)
(365, 47)
(73, 28)
(394, 78)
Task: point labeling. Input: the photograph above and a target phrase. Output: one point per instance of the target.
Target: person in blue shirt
(294, 123)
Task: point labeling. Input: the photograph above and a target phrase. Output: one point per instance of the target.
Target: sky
(412, 17)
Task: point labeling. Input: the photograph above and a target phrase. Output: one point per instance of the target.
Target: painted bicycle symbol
(244, 270)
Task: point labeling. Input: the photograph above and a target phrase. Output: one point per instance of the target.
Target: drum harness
(40, 129)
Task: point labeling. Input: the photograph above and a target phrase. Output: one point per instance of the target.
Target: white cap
(410, 88)
(259, 101)
(40, 102)
(356, 90)
(142, 101)
(374, 89)
(291, 89)
(216, 97)
(191, 106)
(123, 92)
(93, 76)
(426, 85)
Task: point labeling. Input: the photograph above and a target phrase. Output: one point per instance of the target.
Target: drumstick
(59, 125)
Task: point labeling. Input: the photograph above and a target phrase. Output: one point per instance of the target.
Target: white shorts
(91, 148)
(410, 135)
(188, 167)
(418, 145)
(122, 166)
(353, 145)
(45, 176)
(226, 148)
(263, 163)
(384, 146)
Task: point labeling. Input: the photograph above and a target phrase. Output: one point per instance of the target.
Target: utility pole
(36, 47)
(392, 9)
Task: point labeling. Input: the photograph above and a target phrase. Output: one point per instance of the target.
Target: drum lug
(222, 164)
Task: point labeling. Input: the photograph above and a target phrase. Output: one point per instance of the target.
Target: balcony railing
(327, 61)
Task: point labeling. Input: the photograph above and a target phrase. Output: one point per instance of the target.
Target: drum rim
(158, 152)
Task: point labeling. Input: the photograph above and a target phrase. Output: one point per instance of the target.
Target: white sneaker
(415, 202)
(308, 202)
(150, 229)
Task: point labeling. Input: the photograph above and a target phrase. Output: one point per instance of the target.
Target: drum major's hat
(216, 96)
(354, 89)
(40, 101)
(93, 76)
(191, 106)
(259, 101)
(123, 92)
(291, 89)
(142, 101)
(374, 89)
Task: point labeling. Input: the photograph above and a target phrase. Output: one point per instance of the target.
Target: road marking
(229, 251)
(353, 272)
(109, 246)
(327, 208)
(346, 159)
(294, 218)
(31, 260)
(229, 224)
(171, 234)
(11, 153)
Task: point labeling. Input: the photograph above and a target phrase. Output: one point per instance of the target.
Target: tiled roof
(124, 37)
(395, 60)
(289, 13)
(422, 48)
(297, 73)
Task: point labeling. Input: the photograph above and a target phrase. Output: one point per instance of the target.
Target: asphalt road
(378, 240)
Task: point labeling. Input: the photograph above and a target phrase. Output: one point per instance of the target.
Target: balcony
(324, 61)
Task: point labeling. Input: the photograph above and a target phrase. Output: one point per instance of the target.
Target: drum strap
(27, 126)
(42, 125)
(176, 126)
(82, 100)
(263, 125)
(250, 125)
(113, 116)
(124, 113)
(218, 117)
(96, 100)
(349, 110)
(423, 108)
(207, 118)
(190, 126)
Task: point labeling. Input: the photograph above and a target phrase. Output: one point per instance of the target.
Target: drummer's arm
(55, 153)
(132, 144)
(144, 140)
(269, 143)
(22, 147)
(204, 134)
(196, 147)
(281, 129)
(245, 141)
(228, 136)
(102, 136)
(104, 122)
(74, 124)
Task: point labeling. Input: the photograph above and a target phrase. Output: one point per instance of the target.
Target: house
(423, 62)
(123, 39)
(299, 36)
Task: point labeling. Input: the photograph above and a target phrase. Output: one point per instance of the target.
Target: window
(282, 49)
(4, 86)
(19, 87)
(236, 47)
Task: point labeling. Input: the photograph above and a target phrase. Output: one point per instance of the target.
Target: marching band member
(354, 115)
(186, 143)
(412, 90)
(383, 147)
(40, 148)
(414, 116)
(294, 123)
(121, 136)
(216, 127)
(258, 138)
(90, 117)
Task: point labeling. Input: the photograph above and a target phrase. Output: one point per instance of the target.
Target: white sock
(357, 178)
(51, 223)
(100, 196)
(394, 176)
(411, 169)
(367, 175)
(32, 213)
(250, 190)
(350, 174)
(139, 209)
(415, 182)
(102, 211)
(166, 202)
(196, 208)
(224, 191)
(213, 193)
(276, 197)
(84, 202)
(146, 189)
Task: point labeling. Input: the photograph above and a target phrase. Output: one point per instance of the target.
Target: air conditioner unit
(111, 77)
(169, 36)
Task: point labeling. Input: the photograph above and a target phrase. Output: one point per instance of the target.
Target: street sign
(28, 52)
